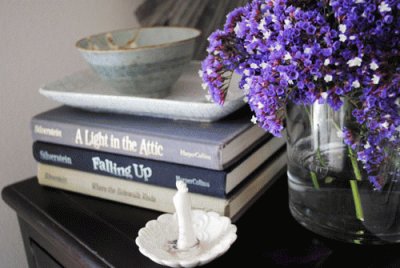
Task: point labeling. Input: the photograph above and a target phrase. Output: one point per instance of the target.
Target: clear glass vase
(325, 193)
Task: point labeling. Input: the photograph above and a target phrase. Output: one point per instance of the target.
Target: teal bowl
(142, 62)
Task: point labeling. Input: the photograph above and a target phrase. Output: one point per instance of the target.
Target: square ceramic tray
(186, 101)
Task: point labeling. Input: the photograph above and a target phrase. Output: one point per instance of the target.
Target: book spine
(199, 180)
(256, 187)
(128, 192)
(127, 143)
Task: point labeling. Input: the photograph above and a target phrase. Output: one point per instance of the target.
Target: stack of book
(137, 160)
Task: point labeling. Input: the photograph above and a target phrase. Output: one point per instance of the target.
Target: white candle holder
(187, 238)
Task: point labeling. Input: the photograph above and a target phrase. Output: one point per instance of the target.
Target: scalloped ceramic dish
(214, 232)
(186, 100)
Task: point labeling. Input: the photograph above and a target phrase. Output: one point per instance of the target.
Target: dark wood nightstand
(62, 229)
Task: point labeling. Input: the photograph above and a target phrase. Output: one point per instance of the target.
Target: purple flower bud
(311, 30)
(327, 52)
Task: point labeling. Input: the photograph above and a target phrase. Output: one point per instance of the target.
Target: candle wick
(181, 186)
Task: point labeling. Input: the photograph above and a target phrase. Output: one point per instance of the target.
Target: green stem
(358, 241)
(353, 160)
(353, 183)
(319, 156)
(357, 200)
(354, 186)
(314, 179)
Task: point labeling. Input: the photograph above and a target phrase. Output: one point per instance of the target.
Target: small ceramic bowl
(141, 62)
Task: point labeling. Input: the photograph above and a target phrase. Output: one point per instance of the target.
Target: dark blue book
(216, 145)
(210, 182)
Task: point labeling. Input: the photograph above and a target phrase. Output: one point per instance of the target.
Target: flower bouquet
(328, 73)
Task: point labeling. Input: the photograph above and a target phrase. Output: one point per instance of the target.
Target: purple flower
(299, 51)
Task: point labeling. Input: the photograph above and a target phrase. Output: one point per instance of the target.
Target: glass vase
(329, 192)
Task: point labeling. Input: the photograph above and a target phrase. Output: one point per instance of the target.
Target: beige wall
(37, 46)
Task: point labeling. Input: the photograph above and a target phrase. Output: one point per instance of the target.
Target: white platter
(186, 101)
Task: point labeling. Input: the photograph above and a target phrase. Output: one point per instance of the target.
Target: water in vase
(327, 195)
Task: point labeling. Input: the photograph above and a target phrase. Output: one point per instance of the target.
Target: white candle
(183, 208)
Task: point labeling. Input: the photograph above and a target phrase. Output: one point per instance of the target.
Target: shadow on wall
(206, 15)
